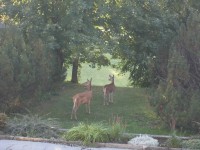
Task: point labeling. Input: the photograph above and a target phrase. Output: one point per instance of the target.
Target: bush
(116, 128)
(173, 142)
(94, 132)
(32, 126)
(88, 133)
(191, 144)
(3, 119)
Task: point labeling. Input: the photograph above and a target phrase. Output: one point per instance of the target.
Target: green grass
(130, 104)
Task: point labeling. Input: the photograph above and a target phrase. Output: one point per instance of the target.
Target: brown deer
(82, 98)
(108, 91)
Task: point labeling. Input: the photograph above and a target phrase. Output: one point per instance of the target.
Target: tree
(176, 99)
(25, 68)
(140, 33)
(67, 27)
(84, 38)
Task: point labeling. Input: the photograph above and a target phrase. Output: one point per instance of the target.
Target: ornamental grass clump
(87, 133)
(116, 128)
(94, 132)
(144, 140)
(32, 126)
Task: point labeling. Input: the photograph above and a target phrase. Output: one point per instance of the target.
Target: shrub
(32, 126)
(94, 132)
(191, 144)
(173, 142)
(88, 133)
(3, 119)
(116, 128)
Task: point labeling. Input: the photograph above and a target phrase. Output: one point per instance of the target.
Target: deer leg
(75, 114)
(74, 109)
(89, 107)
(104, 99)
(111, 94)
(109, 97)
(72, 112)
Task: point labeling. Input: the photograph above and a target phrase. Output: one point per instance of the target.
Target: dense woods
(156, 41)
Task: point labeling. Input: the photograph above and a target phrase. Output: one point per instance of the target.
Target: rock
(144, 140)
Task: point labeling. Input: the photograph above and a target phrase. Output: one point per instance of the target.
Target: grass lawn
(129, 103)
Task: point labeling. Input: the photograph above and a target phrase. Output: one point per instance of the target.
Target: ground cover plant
(32, 125)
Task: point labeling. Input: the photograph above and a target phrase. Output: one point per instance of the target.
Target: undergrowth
(32, 126)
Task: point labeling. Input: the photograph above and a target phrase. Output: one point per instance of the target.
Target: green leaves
(94, 132)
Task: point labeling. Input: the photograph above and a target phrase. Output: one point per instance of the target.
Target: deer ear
(90, 79)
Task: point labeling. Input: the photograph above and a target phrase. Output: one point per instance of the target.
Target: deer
(108, 91)
(82, 98)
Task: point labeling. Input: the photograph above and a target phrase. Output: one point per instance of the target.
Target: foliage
(173, 142)
(26, 68)
(88, 133)
(66, 27)
(32, 126)
(94, 132)
(191, 144)
(193, 112)
(177, 95)
(169, 96)
(141, 32)
(116, 128)
(3, 120)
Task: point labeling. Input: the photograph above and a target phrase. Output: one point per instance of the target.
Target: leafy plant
(174, 142)
(116, 127)
(94, 132)
(32, 126)
(191, 144)
(3, 119)
(88, 133)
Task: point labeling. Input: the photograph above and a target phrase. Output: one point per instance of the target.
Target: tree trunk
(75, 71)
(173, 124)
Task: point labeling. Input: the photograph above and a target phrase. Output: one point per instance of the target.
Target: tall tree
(177, 98)
(67, 27)
(141, 32)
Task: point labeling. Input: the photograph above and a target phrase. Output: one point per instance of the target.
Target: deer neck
(89, 88)
(113, 82)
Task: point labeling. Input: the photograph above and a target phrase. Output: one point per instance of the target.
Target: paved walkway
(27, 145)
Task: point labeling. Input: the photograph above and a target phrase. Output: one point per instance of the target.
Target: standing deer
(108, 91)
(82, 98)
